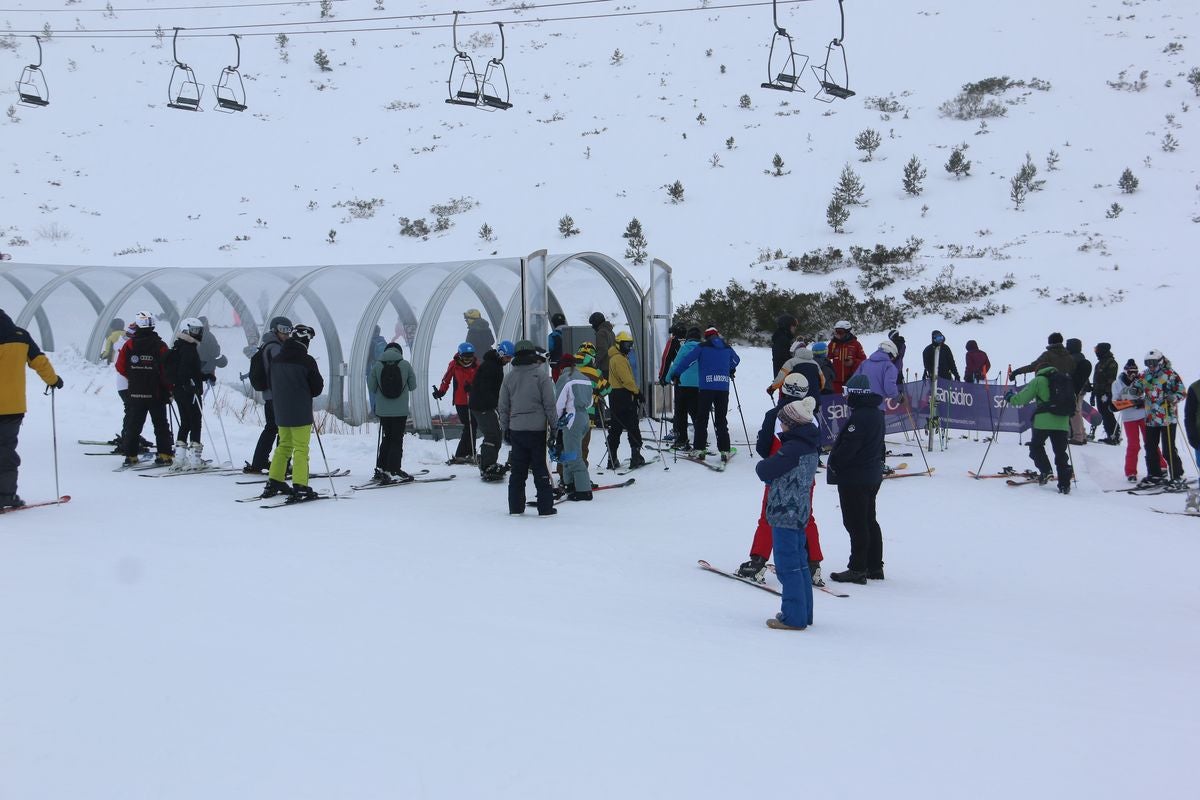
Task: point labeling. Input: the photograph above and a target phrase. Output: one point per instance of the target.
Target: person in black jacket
(210, 349)
(939, 350)
(295, 381)
(781, 341)
(272, 341)
(1103, 377)
(187, 378)
(857, 470)
(485, 396)
(1081, 376)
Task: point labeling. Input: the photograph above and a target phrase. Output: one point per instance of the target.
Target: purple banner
(961, 406)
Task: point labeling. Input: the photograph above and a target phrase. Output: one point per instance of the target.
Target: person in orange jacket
(845, 354)
(462, 372)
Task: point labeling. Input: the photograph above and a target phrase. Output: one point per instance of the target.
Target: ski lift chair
(31, 86)
(183, 91)
(829, 85)
(495, 75)
(469, 90)
(783, 73)
(231, 96)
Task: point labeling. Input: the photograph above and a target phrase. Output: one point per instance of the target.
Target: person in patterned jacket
(1161, 388)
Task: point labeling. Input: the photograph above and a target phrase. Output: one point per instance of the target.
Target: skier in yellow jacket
(17, 351)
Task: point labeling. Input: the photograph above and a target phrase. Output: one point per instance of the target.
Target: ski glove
(210, 379)
(438, 394)
(1009, 395)
(58, 384)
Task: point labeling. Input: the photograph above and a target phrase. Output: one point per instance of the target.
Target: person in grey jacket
(392, 411)
(574, 397)
(272, 341)
(526, 410)
(295, 381)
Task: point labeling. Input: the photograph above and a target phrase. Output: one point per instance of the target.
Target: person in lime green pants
(295, 381)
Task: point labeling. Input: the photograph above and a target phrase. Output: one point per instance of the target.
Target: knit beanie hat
(1054, 338)
(795, 385)
(859, 384)
(798, 412)
(566, 360)
(819, 348)
(1131, 365)
(711, 331)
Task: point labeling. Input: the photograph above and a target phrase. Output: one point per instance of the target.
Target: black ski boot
(578, 496)
(14, 501)
(302, 493)
(754, 569)
(875, 574)
(1151, 481)
(1044, 478)
(849, 576)
(636, 460)
(274, 488)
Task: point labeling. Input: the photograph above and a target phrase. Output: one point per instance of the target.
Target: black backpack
(260, 381)
(391, 380)
(1062, 395)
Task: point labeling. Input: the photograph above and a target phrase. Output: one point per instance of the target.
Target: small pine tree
(914, 174)
(617, 57)
(675, 192)
(729, 143)
(566, 226)
(1017, 189)
(1113, 211)
(326, 9)
(868, 141)
(1194, 79)
(635, 242)
(837, 213)
(1028, 173)
(850, 188)
(331, 237)
(1128, 182)
(1169, 143)
(322, 61)
(1052, 161)
(744, 101)
(485, 232)
(958, 165)
(777, 167)
(701, 118)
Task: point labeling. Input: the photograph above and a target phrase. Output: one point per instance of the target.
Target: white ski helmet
(842, 325)
(191, 326)
(144, 319)
(1153, 359)
(889, 347)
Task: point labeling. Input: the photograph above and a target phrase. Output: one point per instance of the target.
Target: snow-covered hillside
(164, 642)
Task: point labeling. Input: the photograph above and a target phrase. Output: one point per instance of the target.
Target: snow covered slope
(163, 641)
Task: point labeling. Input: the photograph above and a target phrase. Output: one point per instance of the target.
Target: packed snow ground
(163, 641)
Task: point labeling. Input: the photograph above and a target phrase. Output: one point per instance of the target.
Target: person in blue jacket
(687, 390)
(856, 468)
(717, 362)
(789, 475)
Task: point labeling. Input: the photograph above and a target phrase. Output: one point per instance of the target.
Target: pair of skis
(751, 582)
(66, 498)
(337, 473)
(561, 498)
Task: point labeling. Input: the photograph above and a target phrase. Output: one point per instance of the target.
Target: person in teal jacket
(572, 398)
(1046, 425)
(392, 411)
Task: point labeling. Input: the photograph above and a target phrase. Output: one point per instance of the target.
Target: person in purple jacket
(880, 370)
(978, 366)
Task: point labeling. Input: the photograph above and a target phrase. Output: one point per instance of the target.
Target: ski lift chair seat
(33, 99)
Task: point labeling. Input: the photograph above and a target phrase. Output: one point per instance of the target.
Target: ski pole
(196, 398)
(54, 438)
(658, 444)
(442, 424)
(745, 430)
(612, 459)
(328, 471)
(913, 424)
(995, 431)
(221, 419)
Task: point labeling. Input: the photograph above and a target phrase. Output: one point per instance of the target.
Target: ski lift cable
(234, 6)
(77, 11)
(213, 31)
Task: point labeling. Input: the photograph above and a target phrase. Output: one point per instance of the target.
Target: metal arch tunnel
(524, 315)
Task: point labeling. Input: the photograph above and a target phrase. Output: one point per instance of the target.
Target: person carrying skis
(623, 403)
(977, 365)
(143, 362)
(187, 379)
(605, 339)
(938, 359)
(781, 341)
(573, 396)
(789, 475)
(795, 387)
(526, 411)
(845, 354)
(18, 351)
(1055, 356)
(1131, 407)
(116, 331)
(1103, 378)
(461, 371)
(485, 396)
(1081, 374)
(479, 333)
(880, 372)
(295, 381)
(554, 342)
(717, 363)
(390, 382)
(272, 342)
(1054, 392)
(687, 390)
(1162, 390)
(854, 466)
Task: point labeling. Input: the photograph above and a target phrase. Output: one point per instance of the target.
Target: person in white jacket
(1132, 412)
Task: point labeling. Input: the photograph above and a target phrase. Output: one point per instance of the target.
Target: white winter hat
(795, 385)
(798, 412)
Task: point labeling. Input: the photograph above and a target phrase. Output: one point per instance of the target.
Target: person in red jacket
(795, 387)
(845, 354)
(978, 366)
(462, 372)
(143, 361)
